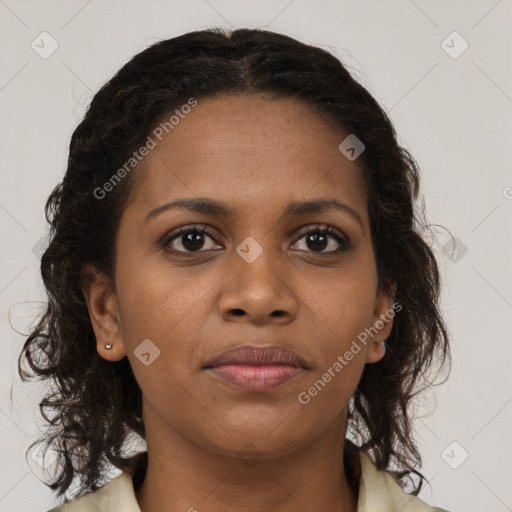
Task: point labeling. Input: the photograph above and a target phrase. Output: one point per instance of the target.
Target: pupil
(316, 239)
(193, 241)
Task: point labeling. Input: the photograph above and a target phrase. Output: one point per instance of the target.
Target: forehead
(248, 150)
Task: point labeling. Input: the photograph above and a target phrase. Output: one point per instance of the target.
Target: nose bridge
(257, 283)
(257, 265)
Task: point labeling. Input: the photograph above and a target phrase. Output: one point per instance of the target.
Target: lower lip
(256, 378)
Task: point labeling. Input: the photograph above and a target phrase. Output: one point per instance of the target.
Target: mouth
(256, 369)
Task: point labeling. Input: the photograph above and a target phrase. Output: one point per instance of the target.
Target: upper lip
(256, 356)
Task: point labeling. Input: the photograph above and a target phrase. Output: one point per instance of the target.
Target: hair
(95, 404)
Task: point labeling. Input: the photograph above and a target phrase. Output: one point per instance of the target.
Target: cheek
(342, 304)
(340, 357)
(166, 307)
(157, 301)
(342, 308)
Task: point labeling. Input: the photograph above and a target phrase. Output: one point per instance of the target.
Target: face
(192, 284)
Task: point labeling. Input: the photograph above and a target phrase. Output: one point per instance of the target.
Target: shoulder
(116, 496)
(379, 490)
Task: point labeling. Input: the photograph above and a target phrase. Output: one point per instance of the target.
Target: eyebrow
(219, 209)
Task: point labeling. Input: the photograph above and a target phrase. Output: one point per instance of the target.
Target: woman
(237, 274)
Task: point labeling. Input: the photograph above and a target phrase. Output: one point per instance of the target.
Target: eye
(191, 239)
(317, 238)
(188, 239)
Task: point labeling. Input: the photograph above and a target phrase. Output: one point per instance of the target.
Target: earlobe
(103, 313)
(376, 351)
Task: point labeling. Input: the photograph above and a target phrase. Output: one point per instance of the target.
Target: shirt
(378, 492)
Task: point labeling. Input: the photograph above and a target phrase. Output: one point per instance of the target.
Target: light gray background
(454, 114)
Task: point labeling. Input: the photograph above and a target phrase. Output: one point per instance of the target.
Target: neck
(181, 475)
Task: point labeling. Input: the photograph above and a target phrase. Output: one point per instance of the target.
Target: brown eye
(189, 239)
(318, 240)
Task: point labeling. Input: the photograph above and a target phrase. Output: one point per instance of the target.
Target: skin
(257, 154)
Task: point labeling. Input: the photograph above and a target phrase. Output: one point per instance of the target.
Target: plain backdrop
(441, 69)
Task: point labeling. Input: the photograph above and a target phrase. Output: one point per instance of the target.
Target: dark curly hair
(96, 404)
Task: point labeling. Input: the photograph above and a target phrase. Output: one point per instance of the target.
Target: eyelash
(201, 228)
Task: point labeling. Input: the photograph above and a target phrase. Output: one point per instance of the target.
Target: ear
(103, 312)
(382, 323)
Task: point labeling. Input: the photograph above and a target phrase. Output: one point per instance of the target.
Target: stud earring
(108, 346)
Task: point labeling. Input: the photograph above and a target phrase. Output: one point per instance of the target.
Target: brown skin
(256, 154)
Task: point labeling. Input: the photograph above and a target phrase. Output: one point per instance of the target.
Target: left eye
(192, 239)
(318, 238)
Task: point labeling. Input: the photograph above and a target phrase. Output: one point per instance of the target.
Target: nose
(258, 293)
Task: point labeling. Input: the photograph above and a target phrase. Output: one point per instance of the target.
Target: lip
(257, 356)
(256, 378)
(255, 368)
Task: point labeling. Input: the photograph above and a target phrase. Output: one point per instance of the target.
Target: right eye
(188, 239)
